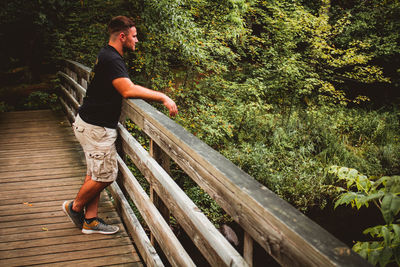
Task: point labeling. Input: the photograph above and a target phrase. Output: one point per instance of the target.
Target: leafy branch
(384, 193)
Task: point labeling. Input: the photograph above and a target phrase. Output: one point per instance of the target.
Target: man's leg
(92, 206)
(88, 196)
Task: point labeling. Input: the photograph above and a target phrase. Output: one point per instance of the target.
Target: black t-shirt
(102, 103)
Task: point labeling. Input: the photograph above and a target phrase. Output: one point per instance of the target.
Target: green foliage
(384, 193)
(263, 82)
(41, 100)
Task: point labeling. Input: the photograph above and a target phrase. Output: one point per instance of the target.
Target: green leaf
(396, 252)
(386, 235)
(362, 249)
(385, 256)
(375, 196)
(346, 198)
(390, 207)
(396, 229)
(374, 231)
(373, 256)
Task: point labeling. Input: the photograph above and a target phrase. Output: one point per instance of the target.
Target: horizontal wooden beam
(284, 232)
(170, 245)
(135, 229)
(214, 247)
(82, 72)
(70, 112)
(79, 89)
(70, 98)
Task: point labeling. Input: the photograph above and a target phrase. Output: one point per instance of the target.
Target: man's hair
(120, 24)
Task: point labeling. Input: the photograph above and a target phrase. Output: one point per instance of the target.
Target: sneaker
(75, 217)
(99, 226)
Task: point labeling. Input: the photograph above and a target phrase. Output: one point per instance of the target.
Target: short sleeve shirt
(102, 103)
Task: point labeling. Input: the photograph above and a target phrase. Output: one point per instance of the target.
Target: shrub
(384, 193)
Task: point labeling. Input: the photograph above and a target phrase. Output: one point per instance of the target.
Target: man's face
(130, 39)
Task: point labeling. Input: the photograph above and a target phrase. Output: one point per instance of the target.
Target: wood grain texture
(173, 250)
(149, 254)
(215, 248)
(40, 168)
(285, 233)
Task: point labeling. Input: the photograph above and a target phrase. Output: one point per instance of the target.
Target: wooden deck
(41, 165)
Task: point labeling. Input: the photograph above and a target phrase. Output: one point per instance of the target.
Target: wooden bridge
(41, 165)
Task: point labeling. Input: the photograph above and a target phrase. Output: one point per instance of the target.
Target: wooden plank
(56, 189)
(289, 236)
(24, 209)
(74, 237)
(70, 98)
(71, 114)
(45, 173)
(124, 260)
(37, 148)
(40, 215)
(65, 151)
(83, 72)
(67, 79)
(149, 254)
(40, 160)
(215, 248)
(33, 167)
(43, 234)
(66, 255)
(35, 179)
(170, 245)
(27, 252)
(41, 220)
(72, 177)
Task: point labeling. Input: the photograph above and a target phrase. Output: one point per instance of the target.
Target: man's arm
(127, 89)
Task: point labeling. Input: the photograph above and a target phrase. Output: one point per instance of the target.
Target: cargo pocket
(97, 134)
(101, 167)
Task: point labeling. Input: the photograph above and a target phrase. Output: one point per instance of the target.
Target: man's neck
(117, 46)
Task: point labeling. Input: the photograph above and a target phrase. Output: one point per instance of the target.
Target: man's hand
(170, 105)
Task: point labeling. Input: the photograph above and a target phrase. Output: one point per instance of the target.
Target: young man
(96, 123)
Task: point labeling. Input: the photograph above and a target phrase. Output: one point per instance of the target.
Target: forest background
(284, 89)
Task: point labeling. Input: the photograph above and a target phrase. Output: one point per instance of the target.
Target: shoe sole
(66, 213)
(88, 232)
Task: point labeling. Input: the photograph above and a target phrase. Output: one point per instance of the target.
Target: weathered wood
(26, 252)
(67, 255)
(170, 245)
(135, 229)
(70, 98)
(65, 78)
(289, 236)
(34, 182)
(122, 260)
(82, 72)
(70, 114)
(204, 235)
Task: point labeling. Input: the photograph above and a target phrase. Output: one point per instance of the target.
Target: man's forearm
(138, 91)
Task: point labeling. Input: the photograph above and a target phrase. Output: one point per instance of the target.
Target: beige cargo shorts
(98, 143)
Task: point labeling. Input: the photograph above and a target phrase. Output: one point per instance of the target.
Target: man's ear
(122, 36)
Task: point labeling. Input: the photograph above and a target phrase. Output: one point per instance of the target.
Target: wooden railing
(286, 234)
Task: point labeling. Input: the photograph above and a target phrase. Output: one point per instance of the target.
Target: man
(96, 123)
